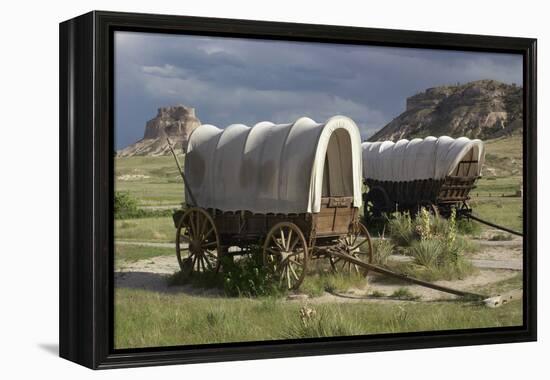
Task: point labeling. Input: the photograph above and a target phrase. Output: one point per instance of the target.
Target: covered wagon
(290, 192)
(437, 173)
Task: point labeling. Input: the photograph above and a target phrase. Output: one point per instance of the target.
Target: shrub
(246, 277)
(124, 203)
(126, 207)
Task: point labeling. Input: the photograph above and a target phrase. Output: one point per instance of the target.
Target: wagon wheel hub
(195, 246)
(285, 255)
(356, 243)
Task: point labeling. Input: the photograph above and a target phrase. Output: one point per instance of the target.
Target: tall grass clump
(382, 249)
(401, 229)
(311, 323)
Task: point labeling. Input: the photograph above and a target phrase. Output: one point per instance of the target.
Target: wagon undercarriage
(287, 242)
(438, 196)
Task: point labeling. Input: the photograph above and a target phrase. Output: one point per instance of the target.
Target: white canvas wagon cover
(274, 168)
(417, 159)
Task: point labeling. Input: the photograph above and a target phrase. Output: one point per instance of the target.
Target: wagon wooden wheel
(356, 243)
(197, 242)
(376, 202)
(285, 254)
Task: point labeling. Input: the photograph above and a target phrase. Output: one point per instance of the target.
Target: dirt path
(497, 261)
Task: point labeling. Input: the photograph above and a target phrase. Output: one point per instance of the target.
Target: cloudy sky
(231, 80)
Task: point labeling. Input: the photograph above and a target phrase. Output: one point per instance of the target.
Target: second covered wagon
(437, 173)
(289, 191)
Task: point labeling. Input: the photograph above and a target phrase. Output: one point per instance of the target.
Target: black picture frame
(86, 187)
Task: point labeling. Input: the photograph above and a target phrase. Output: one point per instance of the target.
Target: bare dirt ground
(496, 261)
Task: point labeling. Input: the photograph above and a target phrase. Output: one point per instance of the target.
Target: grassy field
(131, 253)
(503, 156)
(158, 229)
(507, 212)
(494, 197)
(145, 319)
(154, 181)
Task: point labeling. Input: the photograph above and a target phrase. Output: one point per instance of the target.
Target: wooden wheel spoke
(359, 245)
(277, 243)
(194, 262)
(282, 275)
(296, 263)
(272, 251)
(292, 270)
(296, 253)
(289, 237)
(203, 226)
(192, 229)
(197, 224)
(209, 232)
(288, 277)
(354, 237)
(183, 237)
(291, 248)
(283, 242)
(208, 245)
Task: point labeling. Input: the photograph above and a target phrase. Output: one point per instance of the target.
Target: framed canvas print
(236, 189)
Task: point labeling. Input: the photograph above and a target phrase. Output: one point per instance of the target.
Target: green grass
(502, 175)
(501, 287)
(132, 253)
(163, 185)
(507, 212)
(496, 187)
(158, 229)
(504, 156)
(146, 319)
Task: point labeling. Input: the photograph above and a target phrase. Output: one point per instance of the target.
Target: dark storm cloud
(247, 81)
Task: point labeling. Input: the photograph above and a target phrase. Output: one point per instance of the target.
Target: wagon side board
(242, 228)
(405, 195)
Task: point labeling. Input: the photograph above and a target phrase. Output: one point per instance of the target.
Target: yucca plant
(427, 252)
